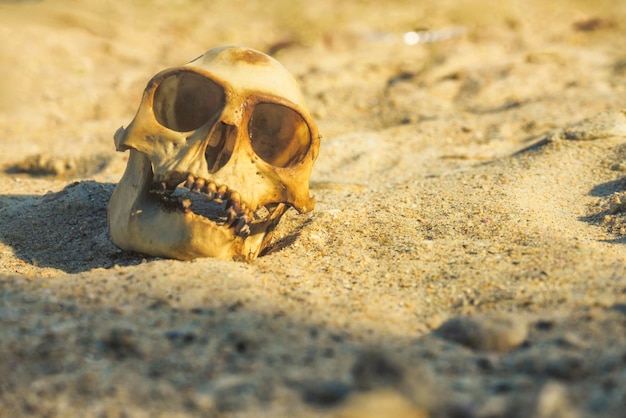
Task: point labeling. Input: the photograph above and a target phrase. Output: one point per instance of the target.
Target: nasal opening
(220, 146)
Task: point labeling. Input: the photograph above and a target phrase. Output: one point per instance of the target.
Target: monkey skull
(219, 149)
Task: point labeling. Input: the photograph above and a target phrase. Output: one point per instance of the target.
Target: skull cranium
(219, 149)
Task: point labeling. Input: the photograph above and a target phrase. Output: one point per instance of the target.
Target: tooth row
(210, 189)
(238, 215)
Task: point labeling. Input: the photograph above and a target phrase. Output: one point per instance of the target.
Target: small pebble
(485, 333)
(379, 404)
(553, 401)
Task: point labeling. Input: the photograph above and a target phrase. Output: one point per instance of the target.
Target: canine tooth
(235, 204)
(242, 228)
(232, 215)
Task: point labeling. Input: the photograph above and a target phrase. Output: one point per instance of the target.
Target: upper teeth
(238, 215)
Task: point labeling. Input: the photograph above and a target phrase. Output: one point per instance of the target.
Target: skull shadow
(66, 230)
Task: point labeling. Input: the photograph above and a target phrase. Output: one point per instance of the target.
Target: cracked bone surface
(219, 149)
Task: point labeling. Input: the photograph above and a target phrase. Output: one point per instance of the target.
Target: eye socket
(184, 101)
(278, 134)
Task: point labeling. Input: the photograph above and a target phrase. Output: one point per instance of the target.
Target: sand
(465, 257)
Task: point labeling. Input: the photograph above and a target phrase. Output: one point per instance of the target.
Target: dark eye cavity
(185, 100)
(278, 134)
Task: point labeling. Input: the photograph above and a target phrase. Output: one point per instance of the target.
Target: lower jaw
(186, 236)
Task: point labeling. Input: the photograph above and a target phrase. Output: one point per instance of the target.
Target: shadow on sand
(66, 230)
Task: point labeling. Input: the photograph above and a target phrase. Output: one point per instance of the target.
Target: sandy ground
(465, 258)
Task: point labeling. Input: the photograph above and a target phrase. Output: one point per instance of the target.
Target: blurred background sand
(465, 258)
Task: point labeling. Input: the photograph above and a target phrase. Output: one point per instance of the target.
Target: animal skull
(219, 149)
